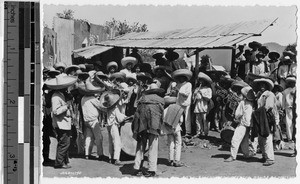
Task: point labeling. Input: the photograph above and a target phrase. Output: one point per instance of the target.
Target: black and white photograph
(161, 91)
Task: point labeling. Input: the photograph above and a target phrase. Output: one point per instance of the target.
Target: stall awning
(90, 51)
(219, 36)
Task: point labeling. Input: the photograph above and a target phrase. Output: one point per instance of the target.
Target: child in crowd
(202, 100)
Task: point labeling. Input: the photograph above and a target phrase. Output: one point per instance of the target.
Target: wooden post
(197, 66)
(127, 51)
(232, 70)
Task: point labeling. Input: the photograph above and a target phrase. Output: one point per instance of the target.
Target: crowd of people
(170, 99)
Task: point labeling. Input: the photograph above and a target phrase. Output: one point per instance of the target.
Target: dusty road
(204, 159)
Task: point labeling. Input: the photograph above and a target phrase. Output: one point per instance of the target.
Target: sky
(159, 18)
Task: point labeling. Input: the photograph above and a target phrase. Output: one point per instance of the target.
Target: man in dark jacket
(146, 127)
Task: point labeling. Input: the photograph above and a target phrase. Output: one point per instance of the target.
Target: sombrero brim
(288, 53)
(204, 76)
(159, 91)
(112, 64)
(254, 44)
(83, 76)
(67, 81)
(53, 72)
(157, 55)
(117, 75)
(182, 72)
(133, 61)
(70, 68)
(143, 77)
(166, 68)
(269, 83)
(274, 55)
(118, 96)
(172, 56)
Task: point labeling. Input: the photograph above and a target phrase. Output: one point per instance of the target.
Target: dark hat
(118, 75)
(171, 55)
(162, 67)
(260, 54)
(109, 99)
(82, 75)
(274, 55)
(247, 52)
(277, 87)
(144, 77)
(159, 53)
(289, 53)
(71, 68)
(254, 45)
(264, 50)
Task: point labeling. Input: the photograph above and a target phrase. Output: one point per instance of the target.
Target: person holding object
(62, 117)
(243, 115)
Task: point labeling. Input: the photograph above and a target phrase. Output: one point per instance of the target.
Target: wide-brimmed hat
(109, 99)
(274, 55)
(162, 67)
(143, 76)
(287, 60)
(288, 53)
(112, 64)
(82, 67)
(171, 55)
(260, 54)
(277, 87)
(61, 82)
(70, 68)
(52, 72)
(159, 53)
(264, 50)
(82, 75)
(118, 75)
(131, 78)
(129, 59)
(254, 45)
(290, 79)
(101, 75)
(257, 82)
(217, 73)
(205, 77)
(154, 89)
(248, 93)
(89, 87)
(238, 85)
(182, 72)
(59, 65)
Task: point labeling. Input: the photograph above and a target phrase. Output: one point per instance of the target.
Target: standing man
(62, 117)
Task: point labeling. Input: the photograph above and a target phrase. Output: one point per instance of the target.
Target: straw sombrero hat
(159, 53)
(89, 88)
(154, 89)
(290, 79)
(101, 75)
(254, 45)
(82, 67)
(61, 82)
(216, 73)
(52, 72)
(257, 82)
(59, 65)
(82, 75)
(274, 55)
(238, 85)
(288, 53)
(264, 50)
(182, 72)
(205, 77)
(131, 78)
(171, 55)
(70, 68)
(118, 75)
(112, 64)
(129, 59)
(109, 99)
(248, 93)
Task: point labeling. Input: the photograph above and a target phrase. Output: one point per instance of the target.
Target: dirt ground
(203, 159)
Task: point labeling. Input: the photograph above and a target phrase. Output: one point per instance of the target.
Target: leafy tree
(67, 14)
(123, 27)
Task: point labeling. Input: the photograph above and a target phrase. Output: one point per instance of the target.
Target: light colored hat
(112, 63)
(248, 93)
(131, 77)
(124, 87)
(101, 74)
(205, 77)
(238, 85)
(129, 59)
(82, 66)
(89, 88)
(269, 83)
(110, 99)
(70, 68)
(118, 75)
(182, 72)
(61, 82)
(59, 64)
(159, 53)
(290, 78)
(154, 89)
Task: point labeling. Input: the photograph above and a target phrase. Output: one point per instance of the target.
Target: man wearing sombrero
(128, 63)
(284, 69)
(267, 110)
(111, 67)
(62, 117)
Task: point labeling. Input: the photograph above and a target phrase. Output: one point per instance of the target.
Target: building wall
(49, 46)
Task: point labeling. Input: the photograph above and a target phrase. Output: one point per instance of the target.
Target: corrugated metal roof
(219, 36)
(88, 52)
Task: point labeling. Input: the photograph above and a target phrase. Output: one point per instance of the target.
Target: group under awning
(219, 36)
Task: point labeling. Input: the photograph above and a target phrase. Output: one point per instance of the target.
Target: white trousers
(174, 142)
(114, 141)
(266, 146)
(289, 123)
(140, 151)
(240, 139)
(93, 132)
(202, 123)
(187, 119)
